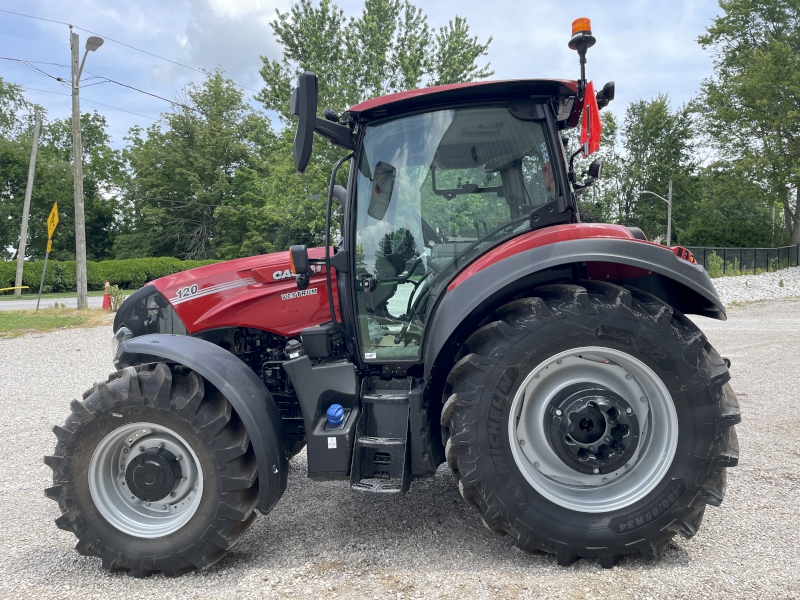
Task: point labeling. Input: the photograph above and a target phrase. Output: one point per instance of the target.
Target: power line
(92, 102)
(109, 80)
(105, 37)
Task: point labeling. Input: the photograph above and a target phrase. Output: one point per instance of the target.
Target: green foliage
(117, 297)
(714, 263)
(732, 211)
(126, 274)
(389, 48)
(751, 107)
(103, 175)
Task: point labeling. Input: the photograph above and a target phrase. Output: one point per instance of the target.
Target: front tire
(590, 421)
(154, 472)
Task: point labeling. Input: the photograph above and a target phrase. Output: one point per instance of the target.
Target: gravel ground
(324, 541)
(752, 288)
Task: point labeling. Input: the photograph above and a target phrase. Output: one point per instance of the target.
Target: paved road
(323, 541)
(94, 302)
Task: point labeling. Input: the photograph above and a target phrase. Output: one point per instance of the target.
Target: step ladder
(381, 461)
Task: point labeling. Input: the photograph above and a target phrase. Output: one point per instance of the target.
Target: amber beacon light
(581, 34)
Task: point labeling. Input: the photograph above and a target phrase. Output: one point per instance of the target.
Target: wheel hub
(592, 429)
(152, 475)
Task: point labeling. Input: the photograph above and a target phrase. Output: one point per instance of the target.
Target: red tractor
(465, 316)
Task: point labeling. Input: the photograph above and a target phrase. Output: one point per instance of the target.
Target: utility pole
(26, 208)
(669, 215)
(77, 175)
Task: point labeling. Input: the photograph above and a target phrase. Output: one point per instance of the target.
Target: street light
(92, 44)
(668, 200)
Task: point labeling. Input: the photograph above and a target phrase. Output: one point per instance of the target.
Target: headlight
(123, 335)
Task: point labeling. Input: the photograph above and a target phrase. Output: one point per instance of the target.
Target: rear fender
(650, 267)
(247, 394)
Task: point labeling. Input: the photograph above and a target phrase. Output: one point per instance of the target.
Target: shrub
(714, 265)
(126, 274)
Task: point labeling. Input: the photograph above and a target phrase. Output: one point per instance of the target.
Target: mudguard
(247, 394)
(626, 261)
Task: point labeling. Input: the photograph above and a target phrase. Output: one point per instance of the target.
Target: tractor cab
(438, 177)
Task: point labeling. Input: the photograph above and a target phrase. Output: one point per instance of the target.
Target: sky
(646, 46)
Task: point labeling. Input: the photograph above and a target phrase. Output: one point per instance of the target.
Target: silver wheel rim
(119, 506)
(628, 377)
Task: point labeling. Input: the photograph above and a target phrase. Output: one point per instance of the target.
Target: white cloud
(646, 46)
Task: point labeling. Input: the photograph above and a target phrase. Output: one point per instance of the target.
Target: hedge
(127, 274)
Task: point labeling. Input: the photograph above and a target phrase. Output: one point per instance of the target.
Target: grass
(34, 295)
(14, 323)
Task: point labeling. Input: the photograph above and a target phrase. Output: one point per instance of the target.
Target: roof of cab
(461, 92)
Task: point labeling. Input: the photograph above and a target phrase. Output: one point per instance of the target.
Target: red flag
(590, 127)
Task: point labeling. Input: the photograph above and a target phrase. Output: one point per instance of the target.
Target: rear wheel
(154, 472)
(590, 421)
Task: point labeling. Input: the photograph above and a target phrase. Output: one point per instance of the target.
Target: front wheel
(590, 421)
(154, 472)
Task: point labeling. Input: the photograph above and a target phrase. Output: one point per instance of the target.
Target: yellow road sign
(49, 245)
(52, 221)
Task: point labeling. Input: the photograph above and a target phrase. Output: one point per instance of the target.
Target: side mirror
(381, 193)
(298, 264)
(304, 107)
(595, 169)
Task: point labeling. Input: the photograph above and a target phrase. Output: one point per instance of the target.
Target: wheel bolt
(607, 439)
(172, 494)
(558, 412)
(605, 479)
(628, 376)
(141, 448)
(147, 504)
(629, 410)
(183, 478)
(536, 464)
(179, 457)
(522, 442)
(163, 507)
(627, 466)
(124, 450)
(161, 444)
(558, 362)
(595, 470)
(591, 449)
(643, 399)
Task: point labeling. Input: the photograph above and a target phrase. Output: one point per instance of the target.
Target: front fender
(247, 394)
(650, 267)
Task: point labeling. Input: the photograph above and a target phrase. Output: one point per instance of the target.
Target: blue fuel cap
(335, 415)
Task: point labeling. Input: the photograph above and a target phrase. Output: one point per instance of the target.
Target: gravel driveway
(324, 541)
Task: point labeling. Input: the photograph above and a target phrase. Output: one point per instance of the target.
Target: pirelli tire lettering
(299, 294)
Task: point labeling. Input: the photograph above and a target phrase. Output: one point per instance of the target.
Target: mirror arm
(338, 135)
(336, 323)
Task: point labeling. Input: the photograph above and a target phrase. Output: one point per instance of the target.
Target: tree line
(213, 178)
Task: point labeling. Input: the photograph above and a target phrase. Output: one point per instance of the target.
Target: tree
(733, 210)
(657, 143)
(751, 106)
(389, 48)
(53, 179)
(184, 169)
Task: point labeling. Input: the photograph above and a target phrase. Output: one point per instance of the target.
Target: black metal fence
(742, 261)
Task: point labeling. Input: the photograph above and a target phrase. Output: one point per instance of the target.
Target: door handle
(368, 284)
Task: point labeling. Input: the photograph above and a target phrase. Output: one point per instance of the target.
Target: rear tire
(571, 510)
(177, 411)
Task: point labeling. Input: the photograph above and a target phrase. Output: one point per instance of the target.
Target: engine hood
(257, 292)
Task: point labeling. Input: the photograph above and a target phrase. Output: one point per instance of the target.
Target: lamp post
(668, 200)
(92, 44)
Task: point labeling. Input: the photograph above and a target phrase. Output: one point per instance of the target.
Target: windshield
(433, 191)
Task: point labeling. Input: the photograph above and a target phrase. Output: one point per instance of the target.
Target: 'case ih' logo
(278, 275)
